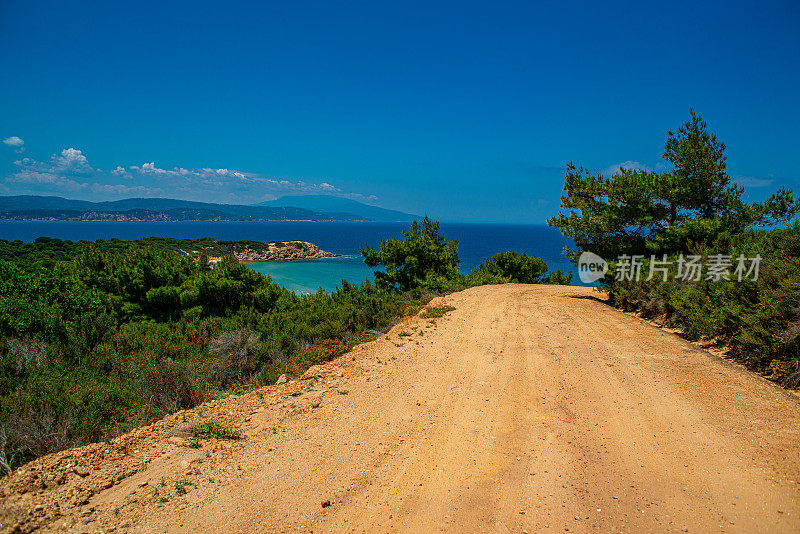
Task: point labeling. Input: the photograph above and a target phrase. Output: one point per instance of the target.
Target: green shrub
(423, 258)
(432, 312)
(558, 277)
(517, 268)
(234, 351)
(758, 319)
(213, 429)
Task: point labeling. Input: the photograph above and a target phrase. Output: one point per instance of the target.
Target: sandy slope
(528, 408)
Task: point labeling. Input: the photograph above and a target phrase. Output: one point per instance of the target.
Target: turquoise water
(309, 276)
(476, 243)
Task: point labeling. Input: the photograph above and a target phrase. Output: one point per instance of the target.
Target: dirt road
(527, 408)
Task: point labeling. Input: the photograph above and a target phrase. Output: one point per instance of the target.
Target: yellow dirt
(527, 408)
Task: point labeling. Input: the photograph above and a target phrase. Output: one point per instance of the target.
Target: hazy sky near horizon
(462, 110)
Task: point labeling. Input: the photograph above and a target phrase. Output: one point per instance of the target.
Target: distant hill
(338, 205)
(32, 207)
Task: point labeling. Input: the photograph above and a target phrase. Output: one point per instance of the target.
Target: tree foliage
(649, 212)
(422, 257)
(516, 267)
(696, 209)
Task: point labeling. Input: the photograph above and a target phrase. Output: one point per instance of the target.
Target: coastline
(276, 251)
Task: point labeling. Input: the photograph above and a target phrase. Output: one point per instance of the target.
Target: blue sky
(463, 110)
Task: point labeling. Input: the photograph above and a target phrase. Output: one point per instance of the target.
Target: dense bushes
(117, 337)
(759, 320)
(695, 209)
(235, 352)
(47, 250)
(516, 267)
(521, 268)
(98, 338)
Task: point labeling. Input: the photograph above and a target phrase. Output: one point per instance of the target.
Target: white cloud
(625, 165)
(325, 186)
(70, 171)
(71, 161)
(46, 178)
(16, 143)
(630, 165)
(120, 171)
(753, 181)
(150, 168)
(126, 190)
(361, 198)
(13, 141)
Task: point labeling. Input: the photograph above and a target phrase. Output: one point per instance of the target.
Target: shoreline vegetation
(210, 249)
(98, 338)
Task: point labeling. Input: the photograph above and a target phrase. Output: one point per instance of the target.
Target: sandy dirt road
(527, 408)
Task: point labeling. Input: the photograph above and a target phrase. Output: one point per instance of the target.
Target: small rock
(80, 471)
(281, 379)
(313, 372)
(184, 464)
(325, 504)
(87, 520)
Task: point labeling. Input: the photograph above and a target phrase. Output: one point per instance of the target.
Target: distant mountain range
(32, 207)
(338, 205)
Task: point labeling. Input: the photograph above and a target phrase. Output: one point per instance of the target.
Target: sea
(476, 242)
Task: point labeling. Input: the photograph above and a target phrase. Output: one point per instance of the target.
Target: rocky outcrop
(279, 251)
